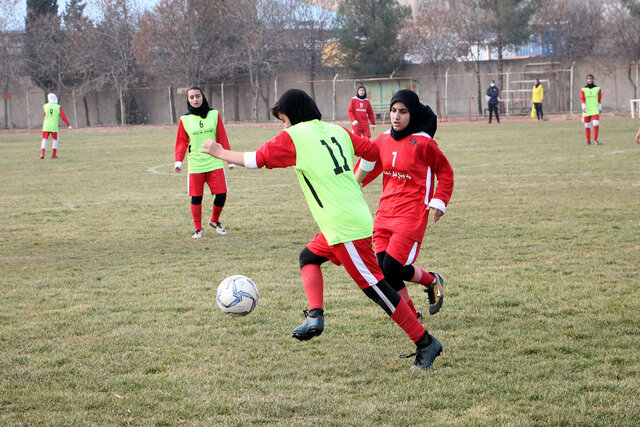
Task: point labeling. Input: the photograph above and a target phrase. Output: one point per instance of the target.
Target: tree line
(201, 42)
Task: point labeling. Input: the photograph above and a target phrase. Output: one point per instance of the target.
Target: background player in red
(198, 125)
(361, 113)
(410, 160)
(322, 155)
(591, 97)
(52, 115)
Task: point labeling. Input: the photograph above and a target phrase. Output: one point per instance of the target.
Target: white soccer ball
(237, 295)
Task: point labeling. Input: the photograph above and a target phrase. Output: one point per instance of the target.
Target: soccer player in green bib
(591, 97)
(322, 155)
(198, 125)
(52, 115)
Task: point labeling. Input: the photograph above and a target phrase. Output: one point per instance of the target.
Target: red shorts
(356, 256)
(587, 119)
(45, 134)
(362, 131)
(216, 180)
(401, 248)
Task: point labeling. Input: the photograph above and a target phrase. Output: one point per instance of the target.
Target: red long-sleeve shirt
(360, 110)
(410, 167)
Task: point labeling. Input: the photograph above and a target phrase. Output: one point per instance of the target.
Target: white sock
(44, 143)
(55, 144)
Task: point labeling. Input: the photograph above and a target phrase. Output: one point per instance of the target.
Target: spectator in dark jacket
(492, 99)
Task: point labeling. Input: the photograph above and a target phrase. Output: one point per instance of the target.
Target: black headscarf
(297, 105)
(203, 109)
(421, 117)
(358, 92)
(593, 84)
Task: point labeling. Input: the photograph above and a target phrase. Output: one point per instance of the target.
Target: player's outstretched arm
(216, 150)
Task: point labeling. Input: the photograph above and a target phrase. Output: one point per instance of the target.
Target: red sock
(313, 284)
(422, 277)
(53, 153)
(595, 132)
(215, 216)
(196, 213)
(587, 131)
(404, 294)
(407, 321)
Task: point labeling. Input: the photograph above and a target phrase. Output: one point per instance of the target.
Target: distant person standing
(493, 92)
(591, 97)
(52, 115)
(198, 125)
(361, 113)
(537, 95)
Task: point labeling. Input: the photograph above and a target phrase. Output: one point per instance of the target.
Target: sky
(22, 7)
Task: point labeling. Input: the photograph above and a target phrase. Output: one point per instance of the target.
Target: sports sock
(196, 213)
(42, 153)
(404, 294)
(595, 132)
(215, 215)
(422, 277)
(53, 152)
(313, 284)
(44, 143)
(408, 321)
(587, 132)
(54, 144)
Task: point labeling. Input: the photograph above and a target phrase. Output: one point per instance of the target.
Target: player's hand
(437, 213)
(232, 165)
(211, 148)
(178, 167)
(354, 123)
(70, 127)
(373, 126)
(638, 137)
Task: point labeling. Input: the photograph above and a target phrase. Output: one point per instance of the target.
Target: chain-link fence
(454, 95)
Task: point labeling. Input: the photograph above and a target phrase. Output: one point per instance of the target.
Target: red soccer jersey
(360, 110)
(409, 169)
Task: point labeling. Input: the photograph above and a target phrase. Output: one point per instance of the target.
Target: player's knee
(393, 271)
(196, 200)
(308, 257)
(220, 199)
(383, 294)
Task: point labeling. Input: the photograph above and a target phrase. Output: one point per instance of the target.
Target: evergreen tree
(368, 32)
(42, 28)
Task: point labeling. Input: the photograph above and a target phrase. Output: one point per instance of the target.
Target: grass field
(108, 313)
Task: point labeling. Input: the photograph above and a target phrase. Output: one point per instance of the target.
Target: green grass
(108, 313)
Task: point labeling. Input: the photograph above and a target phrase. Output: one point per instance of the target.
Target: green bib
(199, 130)
(51, 117)
(591, 101)
(324, 164)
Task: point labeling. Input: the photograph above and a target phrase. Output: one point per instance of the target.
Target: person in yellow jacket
(536, 96)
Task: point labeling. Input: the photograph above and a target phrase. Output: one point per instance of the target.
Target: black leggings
(492, 108)
(219, 200)
(539, 112)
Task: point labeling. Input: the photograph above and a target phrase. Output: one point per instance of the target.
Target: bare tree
(571, 27)
(427, 39)
(510, 22)
(11, 55)
(260, 51)
(311, 28)
(471, 30)
(115, 61)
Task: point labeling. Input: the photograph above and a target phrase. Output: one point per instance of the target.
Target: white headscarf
(52, 98)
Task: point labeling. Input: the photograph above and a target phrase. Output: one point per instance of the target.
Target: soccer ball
(237, 295)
